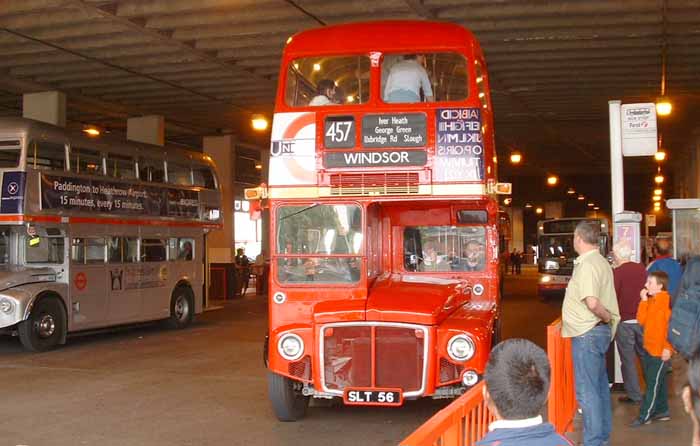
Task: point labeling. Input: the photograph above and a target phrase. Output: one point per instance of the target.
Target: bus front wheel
(288, 403)
(45, 327)
(181, 308)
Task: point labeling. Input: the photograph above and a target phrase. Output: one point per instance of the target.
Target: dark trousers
(656, 397)
(629, 344)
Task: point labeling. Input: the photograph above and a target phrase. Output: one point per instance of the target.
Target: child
(653, 315)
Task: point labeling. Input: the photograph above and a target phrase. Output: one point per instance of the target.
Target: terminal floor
(206, 386)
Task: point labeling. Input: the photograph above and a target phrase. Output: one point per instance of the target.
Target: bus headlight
(291, 347)
(460, 347)
(551, 264)
(6, 306)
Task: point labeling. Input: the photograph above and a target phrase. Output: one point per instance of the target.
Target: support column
(149, 129)
(264, 178)
(516, 222)
(46, 106)
(220, 243)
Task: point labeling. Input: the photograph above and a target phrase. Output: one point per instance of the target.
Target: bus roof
(387, 35)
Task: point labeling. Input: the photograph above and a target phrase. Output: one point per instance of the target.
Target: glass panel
(481, 84)
(179, 174)
(46, 155)
(119, 166)
(153, 250)
(4, 246)
(328, 80)
(318, 269)
(86, 161)
(204, 177)
(558, 246)
(131, 250)
(10, 152)
(408, 78)
(114, 249)
(172, 248)
(48, 250)
(88, 250)
(319, 229)
(444, 248)
(467, 217)
(151, 170)
(185, 249)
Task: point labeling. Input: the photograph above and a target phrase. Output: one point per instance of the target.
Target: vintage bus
(98, 232)
(384, 281)
(556, 254)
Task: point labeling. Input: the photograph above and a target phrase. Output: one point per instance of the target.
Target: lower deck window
(46, 250)
(153, 250)
(444, 248)
(88, 250)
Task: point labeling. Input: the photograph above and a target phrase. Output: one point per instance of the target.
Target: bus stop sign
(638, 129)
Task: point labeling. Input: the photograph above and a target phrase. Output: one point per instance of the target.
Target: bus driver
(325, 93)
(406, 79)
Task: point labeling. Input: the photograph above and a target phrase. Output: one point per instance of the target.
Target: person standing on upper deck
(406, 80)
(590, 316)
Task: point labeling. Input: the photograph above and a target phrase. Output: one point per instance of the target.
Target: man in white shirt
(406, 80)
(325, 91)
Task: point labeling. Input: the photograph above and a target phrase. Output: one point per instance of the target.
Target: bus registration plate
(373, 397)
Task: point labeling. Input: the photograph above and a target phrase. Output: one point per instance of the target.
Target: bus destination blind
(394, 130)
(459, 151)
(107, 197)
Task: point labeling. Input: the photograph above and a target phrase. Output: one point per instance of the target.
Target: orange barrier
(462, 423)
(562, 393)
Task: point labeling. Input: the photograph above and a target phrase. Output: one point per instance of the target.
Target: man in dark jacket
(517, 384)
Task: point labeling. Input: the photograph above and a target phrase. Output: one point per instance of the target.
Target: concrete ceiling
(207, 65)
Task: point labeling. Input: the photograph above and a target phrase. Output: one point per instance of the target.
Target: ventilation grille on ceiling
(392, 183)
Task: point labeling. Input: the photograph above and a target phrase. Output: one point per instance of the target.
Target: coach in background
(590, 316)
(517, 384)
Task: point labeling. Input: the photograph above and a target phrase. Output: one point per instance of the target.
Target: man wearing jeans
(590, 316)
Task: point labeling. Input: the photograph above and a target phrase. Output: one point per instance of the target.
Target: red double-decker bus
(384, 281)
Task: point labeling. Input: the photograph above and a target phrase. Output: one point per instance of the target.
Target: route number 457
(339, 133)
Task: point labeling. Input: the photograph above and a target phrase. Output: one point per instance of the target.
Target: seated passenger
(473, 257)
(432, 261)
(325, 93)
(406, 79)
(517, 384)
(186, 251)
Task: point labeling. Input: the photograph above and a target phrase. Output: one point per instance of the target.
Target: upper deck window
(46, 155)
(86, 161)
(179, 174)
(121, 166)
(9, 153)
(331, 80)
(151, 170)
(204, 177)
(424, 77)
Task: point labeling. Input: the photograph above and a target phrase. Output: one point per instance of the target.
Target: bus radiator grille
(389, 183)
(397, 363)
(449, 371)
(301, 369)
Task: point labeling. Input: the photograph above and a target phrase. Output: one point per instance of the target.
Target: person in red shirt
(653, 315)
(629, 280)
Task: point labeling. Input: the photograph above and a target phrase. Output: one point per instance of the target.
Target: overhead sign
(378, 158)
(651, 220)
(12, 194)
(639, 136)
(459, 151)
(394, 130)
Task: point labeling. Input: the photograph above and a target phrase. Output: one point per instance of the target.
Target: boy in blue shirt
(517, 384)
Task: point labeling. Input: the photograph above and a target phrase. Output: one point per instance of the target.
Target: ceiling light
(596, 208)
(571, 191)
(515, 158)
(258, 166)
(658, 191)
(507, 201)
(317, 67)
(92, 131)
(259, 122)
(581, 198)
(656, 198)
(350, 98)
(528, 205)
(590, 205)
(658, 179)
(539, 211)
(552, 180)
(663, 106)
(660, 155)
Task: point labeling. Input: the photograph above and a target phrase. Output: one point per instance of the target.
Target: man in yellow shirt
(590, 316)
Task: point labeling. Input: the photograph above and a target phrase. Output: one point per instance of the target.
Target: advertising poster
(459, 149)
(99, 196)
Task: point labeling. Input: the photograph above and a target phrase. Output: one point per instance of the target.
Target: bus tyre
(181, 308)
(45, 327)
(285, 395)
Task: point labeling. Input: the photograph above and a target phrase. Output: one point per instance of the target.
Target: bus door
(88, 285)
(122, 279)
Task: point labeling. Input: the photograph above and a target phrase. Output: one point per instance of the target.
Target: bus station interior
(194, 74)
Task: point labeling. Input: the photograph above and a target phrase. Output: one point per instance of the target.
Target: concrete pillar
(516, 222)
(554, 209)
(220, 243)
(45, 106)
(149, 129)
